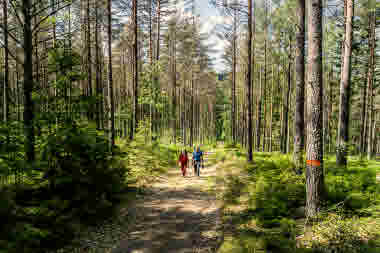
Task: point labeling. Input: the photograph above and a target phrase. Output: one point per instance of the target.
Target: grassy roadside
(263, 206)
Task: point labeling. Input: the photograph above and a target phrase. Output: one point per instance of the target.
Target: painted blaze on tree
(314, 155)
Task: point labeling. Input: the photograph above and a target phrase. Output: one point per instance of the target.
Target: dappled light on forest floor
(176, 215)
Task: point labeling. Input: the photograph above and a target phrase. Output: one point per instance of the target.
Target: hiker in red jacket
(183, 161)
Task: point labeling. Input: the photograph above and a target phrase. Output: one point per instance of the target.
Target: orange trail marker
(313, 162)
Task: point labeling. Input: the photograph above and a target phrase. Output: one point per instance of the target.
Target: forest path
(178, 214)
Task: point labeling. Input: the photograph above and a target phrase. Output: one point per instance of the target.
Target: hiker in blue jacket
(197, 160)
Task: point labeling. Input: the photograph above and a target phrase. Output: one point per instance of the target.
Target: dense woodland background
(98, 95)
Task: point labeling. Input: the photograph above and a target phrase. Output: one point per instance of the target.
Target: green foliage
(231, 145)
(75, 179)
(147, 160)
(276, 191)
(151, 93)
(221, 156)
(355, 186)
(264, 202)
(82, 168)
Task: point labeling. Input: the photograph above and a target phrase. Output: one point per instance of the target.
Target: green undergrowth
(263, 205)
(375, 164)
(147, 160)
(75, 183)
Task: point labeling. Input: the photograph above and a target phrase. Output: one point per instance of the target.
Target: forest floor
(172, 214)
(178, 214)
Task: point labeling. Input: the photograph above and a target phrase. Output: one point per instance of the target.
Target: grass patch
(264, 207)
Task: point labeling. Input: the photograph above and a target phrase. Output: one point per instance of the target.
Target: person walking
(183, 161)
(197, 158)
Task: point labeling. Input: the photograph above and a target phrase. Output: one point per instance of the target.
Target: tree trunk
(370, 81)
(183, 113)
(111, 118)
(253, 67)
(345, 83)
(363, 118)
(156, 78)
(192, 111)
(265, 76)
(329, 113)
(158, 30)
(286, 107)
(89, 57)
(174, 80)
(271, 112)
(136, 71)
(6, 63)
(299, 126)
(343, 39)
(150, 32)
(314, 153)
(249, 82)
(28, 82)
(98, 68)
(233, 120)
(133, 112)
(258, 122)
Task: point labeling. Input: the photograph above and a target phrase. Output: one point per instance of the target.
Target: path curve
(178, 215)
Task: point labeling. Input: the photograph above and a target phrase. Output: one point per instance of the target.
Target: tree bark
(136, 71)
(258, 122)
(111, 118)
(265, 76)
(89, 57)
(28, 82)
(249, 82)
(314, 153)
(98, 68)
(329, 114)
(345, 83)
(156, 78)
(150, 32)
(271, 112)
(363, 118)
(370, 81)
(174, 85)
(192, 110)
(286, 107)
(299, 126)
(6, 63)
(233, 120)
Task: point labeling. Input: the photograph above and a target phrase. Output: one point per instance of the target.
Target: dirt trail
(177, 215)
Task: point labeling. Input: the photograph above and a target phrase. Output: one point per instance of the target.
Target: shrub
(275, 192)
(230, 145)
(353, 185)
(7, 208)
(81, 169)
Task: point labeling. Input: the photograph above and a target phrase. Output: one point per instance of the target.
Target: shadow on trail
(175, 216)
